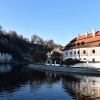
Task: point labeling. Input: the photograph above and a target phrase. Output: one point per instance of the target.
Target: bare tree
(34, 38)
(37, 39)
(1, 28)
(13, 34)
(51, 44)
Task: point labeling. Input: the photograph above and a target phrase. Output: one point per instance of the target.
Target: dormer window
(78, 44)
(74, 44)
(83, 43)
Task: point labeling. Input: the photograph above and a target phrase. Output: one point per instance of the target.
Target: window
(74, 44)
(78, 44)
(84, 52)
(70, 53)
(93, 51)
(74, 52)
(66, 53)
(83, 43)
(78, 52)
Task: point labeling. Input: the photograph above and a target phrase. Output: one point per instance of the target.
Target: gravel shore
(74, 70)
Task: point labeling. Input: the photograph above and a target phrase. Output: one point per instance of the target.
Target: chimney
(93, 32)
(86, 34)
(78, 36)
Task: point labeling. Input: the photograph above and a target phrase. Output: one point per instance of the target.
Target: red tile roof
(83, 41)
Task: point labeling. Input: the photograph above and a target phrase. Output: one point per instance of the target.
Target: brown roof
(57, 50)
(83, 41)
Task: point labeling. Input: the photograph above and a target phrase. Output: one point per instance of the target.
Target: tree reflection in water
(20, 75)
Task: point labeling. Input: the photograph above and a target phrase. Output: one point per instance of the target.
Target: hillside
(22, 49)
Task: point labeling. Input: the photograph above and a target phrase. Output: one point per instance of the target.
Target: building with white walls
(84, 48)
(5, 57)
(56, 52)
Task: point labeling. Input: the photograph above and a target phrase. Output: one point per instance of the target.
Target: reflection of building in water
(5, 68)
(87, 87)
(47, 77)
(50, 75)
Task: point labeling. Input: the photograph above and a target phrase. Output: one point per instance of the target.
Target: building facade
(52, 57)
(5, 57)
(84, 48)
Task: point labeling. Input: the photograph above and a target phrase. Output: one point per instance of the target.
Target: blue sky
(60, 20)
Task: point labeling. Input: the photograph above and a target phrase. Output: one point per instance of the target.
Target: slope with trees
(17, 46)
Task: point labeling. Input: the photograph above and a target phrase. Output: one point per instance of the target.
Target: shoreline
(66, 70)
(15, 62)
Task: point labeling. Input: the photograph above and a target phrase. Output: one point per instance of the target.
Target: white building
(57, 52)
(84, 48)
(5, 57)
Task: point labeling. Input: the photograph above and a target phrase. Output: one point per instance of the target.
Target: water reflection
(5, 68)
(43, 78)
(19, 79)
(13, 78)
(85, 88)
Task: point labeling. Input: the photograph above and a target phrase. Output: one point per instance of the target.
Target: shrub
(70, 61)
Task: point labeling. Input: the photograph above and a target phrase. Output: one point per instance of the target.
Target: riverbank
(69, 70)
(15, 62)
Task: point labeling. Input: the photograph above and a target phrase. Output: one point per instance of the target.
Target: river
(19, 82)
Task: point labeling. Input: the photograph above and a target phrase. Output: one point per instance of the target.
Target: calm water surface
(21, 83)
